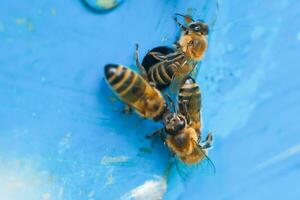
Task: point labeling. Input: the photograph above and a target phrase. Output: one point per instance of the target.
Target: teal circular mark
(102, 5)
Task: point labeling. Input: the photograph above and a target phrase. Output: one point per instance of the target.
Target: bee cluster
(164, 67)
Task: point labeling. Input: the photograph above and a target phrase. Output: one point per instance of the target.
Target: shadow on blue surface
(63, 137)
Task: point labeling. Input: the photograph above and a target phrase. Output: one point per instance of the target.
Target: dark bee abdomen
(190, 95)
(149, 60)
(126, 83)
(159, 73)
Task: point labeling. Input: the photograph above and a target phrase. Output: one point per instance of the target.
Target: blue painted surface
(62, 136)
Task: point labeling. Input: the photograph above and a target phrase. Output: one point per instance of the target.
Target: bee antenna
(187, 18)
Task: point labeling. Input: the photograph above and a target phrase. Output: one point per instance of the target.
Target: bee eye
(193, 26)
(197, 28)
(155, 106)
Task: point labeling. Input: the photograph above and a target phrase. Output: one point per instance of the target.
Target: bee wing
(189, 102)
(204, 167)
(181, 74)
(194, 103)
(176, 82)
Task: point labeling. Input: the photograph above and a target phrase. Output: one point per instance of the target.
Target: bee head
(189, 80)
(174, 123)
(199, 27)
(113, 69)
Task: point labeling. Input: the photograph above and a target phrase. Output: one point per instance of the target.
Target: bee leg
(171, 57)
(186, 113)
(152, 84)
(181, 26)
(154, 134)
(159, 56)
(138, 64)
(177, 45)
(171, 102)
(127, 109)
(208, 141)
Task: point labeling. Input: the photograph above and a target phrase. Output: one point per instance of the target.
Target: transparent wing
(204, 167)
(177, 82)
(181, 75)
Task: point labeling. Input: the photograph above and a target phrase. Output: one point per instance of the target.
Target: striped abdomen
(190, 96)
(133, 90)
(162, 74)
(161, 77)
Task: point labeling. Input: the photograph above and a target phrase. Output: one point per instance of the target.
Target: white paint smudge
(21, 21)
(110, 179)
(47, 196)
(91, 195)
(65, 143)
(53, 11)
(150, 190)
(20, 179)
(278, 158)
(107, 160)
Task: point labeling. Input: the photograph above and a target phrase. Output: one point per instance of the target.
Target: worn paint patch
(107, 160)
(65, 143)
(22, 178)
(150, 190)
(53, 11)
(25, 22)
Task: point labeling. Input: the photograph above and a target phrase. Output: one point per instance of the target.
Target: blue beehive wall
(63, 136)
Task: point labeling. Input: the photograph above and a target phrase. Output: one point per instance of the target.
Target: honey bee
(185, 145)
(163, 65)
(178, 133)
(189, 103)
(136, 92)
(185, 142)
(147, 101)
(157, 73)
(193, 41)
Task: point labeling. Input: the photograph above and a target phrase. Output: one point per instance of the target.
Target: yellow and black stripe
(160, 73)
(136, 92)
(128, 85)
(190, 95)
